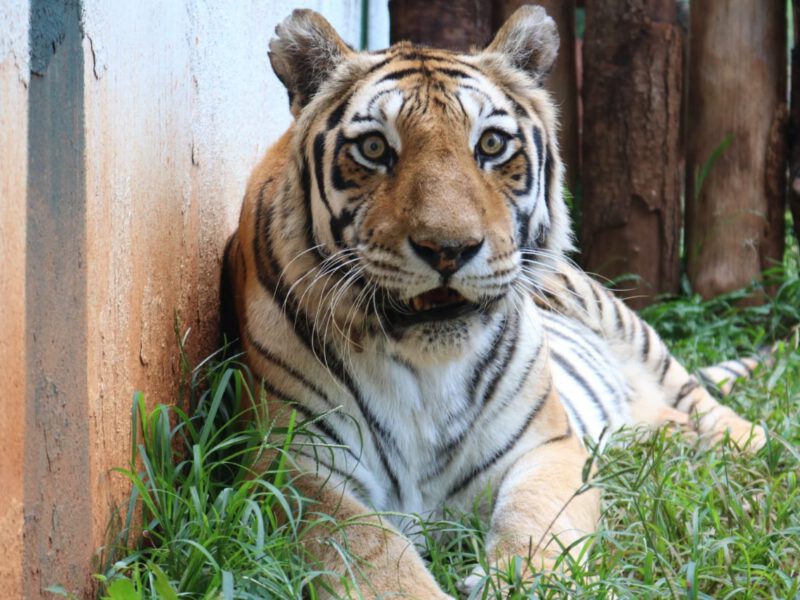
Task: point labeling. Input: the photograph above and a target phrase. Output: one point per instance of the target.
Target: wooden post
(452, 24)
(794, 125)
(631, 144)
(737, 87)
(562, 82)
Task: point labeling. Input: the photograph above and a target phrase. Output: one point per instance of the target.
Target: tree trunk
(631, 169)
(452, 24)
(794, 125)
(562, 82)
(737, 88)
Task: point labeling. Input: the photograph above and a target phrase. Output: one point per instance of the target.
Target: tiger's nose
(446, 257)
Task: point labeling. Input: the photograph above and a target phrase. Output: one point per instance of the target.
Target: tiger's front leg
(381, 561)
(542, 507)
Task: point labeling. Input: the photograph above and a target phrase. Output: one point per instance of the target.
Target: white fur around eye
(364, 161)
(512, 144)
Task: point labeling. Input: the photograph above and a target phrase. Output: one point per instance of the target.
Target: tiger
(399, 280)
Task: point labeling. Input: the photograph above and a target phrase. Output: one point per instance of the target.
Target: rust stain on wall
(13, 157)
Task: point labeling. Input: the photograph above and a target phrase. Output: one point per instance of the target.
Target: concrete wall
(14, 76)
(123, 160)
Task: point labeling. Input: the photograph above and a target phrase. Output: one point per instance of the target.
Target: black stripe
(498, 454)
(528, 182)
(726, 367)
(486, 360)
(379, 65)
(358, 118)
(480, 92)
(455, 73)
(397, 75)
(510, 350)
(432, 54)
(748, 368)
(548, 174)
(269, 356)
(319, 172)
(665, 366)
(486, 364)
(645, 342)
(523, 227)
(337, 223)
(558, 438)
(340, 183)
(379, 95)
(336, 115)
(523, 380)
(573, 292)
(305, 181)
(580, 380)
(446, 453)
(319, 421)
(686, 389)
(595, 298)
(573, 414)
(351, 477)
(617, 315)
(449, 451)
(588, 353)
(707, 381)
(519, 109)
(539, 147)
(634, 326)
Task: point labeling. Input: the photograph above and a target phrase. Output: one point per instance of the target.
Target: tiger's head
(433, 176)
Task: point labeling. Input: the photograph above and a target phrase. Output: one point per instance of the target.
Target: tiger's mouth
(439, 304)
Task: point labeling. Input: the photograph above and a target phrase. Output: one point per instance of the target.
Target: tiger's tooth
(416, 303)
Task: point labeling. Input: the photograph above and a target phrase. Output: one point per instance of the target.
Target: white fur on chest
(422, 400)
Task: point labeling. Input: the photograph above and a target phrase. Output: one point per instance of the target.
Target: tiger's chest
(446, 419)
(415, 430)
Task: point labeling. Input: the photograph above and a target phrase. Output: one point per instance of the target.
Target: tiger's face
(432, 177)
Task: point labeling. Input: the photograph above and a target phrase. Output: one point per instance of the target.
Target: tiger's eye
(491, 143)
(373, 147)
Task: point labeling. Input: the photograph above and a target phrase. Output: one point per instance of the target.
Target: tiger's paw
(472, 583)
(506, 574)
(748, 437)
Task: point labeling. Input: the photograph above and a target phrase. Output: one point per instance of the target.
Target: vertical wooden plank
(631, 144)
(14, 78)
(794, 124)
(737, 85)
(452, 24)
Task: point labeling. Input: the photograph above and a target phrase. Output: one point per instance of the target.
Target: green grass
(214, 518)
(678, 521)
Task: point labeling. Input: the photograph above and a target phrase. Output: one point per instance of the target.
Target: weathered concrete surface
(122, 164)
(180, 104)
(58, 509)
(14, 77)
(120, 185)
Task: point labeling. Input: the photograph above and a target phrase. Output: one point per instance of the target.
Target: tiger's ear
(304, 53)
(529, 41)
